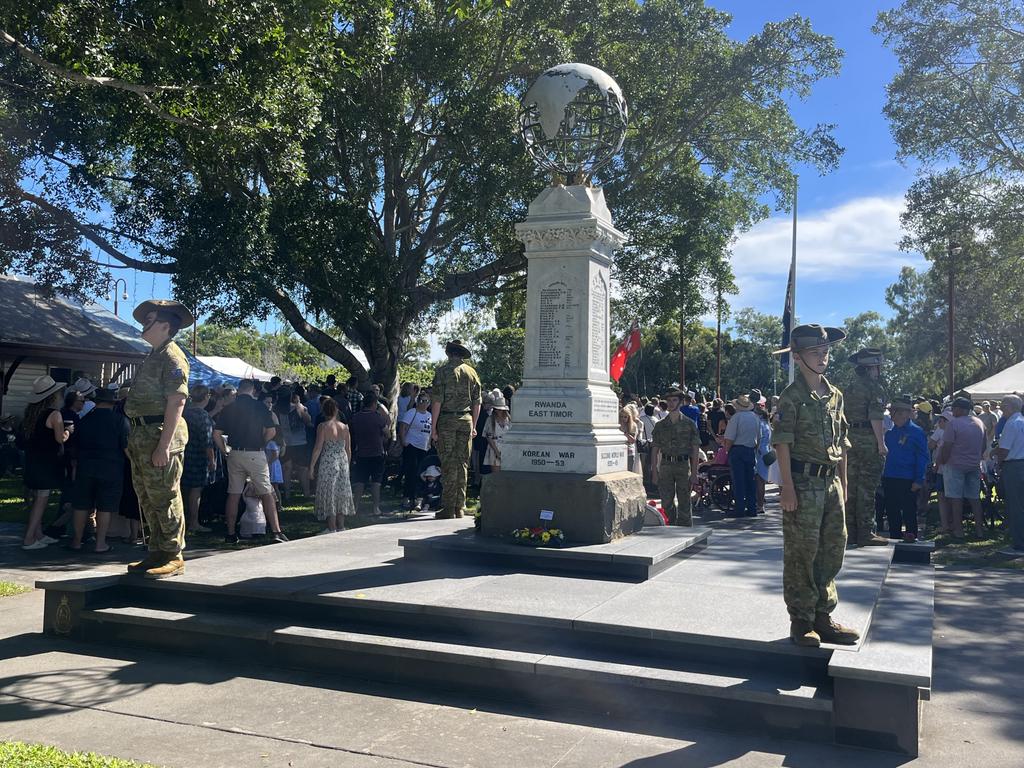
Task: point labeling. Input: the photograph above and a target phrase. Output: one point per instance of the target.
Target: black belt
(811, 469)
(860, 425)
(138, 421)
(456, 413)
(670, 459)
(246, 450)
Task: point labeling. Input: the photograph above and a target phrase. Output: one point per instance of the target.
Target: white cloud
(855, 239)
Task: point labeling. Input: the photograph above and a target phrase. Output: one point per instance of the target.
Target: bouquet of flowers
(539, 537)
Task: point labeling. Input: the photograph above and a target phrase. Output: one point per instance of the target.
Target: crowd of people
(250, 447)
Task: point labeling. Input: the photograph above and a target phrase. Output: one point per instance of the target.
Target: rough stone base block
(590, 509)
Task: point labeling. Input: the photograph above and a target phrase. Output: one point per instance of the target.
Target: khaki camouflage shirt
(457, 388)
(163, 373)
(675, 438)
(812, 425)
(864, 400)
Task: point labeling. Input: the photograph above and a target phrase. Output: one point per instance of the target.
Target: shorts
(370, 470)
(249, 466)
(101, 494)
(961, 483)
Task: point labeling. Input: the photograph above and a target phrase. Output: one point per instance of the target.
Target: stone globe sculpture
(573, 120)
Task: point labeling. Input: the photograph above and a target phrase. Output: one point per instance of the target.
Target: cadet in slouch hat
(810, 438)
(864, 401)
(158, 435)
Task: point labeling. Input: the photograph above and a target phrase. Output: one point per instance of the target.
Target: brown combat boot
(443, 515)
(803, 634)
(173, 566)
(872, 540)
(151, 560)
(831, 632)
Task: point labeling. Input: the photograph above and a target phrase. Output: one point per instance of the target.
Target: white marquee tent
(234, 368)
(1006, 382)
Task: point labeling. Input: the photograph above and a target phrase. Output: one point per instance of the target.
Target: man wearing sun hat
(454, 407)
(158, 436)
(810, 438)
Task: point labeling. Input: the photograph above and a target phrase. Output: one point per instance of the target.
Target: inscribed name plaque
(599, 324)
(557, 318)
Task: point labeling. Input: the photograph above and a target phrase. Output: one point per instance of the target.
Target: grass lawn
(10, 589)
(297, 517)
(16, 754)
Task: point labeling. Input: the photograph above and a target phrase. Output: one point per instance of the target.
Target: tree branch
(326, 344)
(453, 286)
(91, 234)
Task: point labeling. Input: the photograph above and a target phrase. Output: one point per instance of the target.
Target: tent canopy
(1006, 382)
(212, 370)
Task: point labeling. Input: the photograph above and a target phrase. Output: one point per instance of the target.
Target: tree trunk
(682, 354)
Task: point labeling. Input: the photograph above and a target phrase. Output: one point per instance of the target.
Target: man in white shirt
(414, 434)
(1010, 454)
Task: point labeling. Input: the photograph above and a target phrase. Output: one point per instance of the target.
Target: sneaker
(39, 544)
(49, 540)
(1008, 552)
(231, 538)
(200, 529)
(831, 632)
(279, 537)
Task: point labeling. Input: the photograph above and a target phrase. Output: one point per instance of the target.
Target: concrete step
(622, 684)
(480, 628)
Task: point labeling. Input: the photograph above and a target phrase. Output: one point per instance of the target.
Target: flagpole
(792, 277)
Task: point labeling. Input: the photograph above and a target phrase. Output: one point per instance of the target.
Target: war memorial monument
(634, 628)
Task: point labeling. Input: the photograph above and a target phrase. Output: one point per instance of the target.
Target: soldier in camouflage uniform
(675, 453)
(158, 436)
(865, 401)
(454, 407)
(810, 438)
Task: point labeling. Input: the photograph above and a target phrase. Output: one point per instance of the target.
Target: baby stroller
(714, 486)
(429, 486)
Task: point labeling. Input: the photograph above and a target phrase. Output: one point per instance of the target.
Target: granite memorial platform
(703, 640)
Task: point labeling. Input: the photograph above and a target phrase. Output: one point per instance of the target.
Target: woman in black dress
(45, 433)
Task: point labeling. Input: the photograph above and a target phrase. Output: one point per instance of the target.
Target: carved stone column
(565, 416)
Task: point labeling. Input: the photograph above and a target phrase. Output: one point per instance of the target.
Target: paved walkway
(178, 711)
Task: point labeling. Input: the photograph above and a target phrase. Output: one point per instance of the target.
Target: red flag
(629, 346)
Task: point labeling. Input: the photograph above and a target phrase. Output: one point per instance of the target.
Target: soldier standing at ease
(158, 436)
(675, 453)
(864, 401)
(454, 408)
(810, 438)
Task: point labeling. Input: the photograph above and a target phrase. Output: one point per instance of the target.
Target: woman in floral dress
(333, 450)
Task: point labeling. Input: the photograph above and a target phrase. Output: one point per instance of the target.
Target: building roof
(34, 323)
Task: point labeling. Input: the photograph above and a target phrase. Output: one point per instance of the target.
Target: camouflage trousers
(814, 542)
(863, 474)
(454, 444)
(159, 491)
(673, 482)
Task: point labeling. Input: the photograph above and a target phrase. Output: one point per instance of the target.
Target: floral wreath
(539, 537)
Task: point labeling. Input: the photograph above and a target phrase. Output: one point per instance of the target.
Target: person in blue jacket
(905, 465)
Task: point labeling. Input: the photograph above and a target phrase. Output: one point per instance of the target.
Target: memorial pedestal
(565, 417)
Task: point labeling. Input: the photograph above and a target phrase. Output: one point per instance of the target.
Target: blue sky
(848, 222)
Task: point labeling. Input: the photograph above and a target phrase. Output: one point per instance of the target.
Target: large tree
(355, 166)
(955, 106)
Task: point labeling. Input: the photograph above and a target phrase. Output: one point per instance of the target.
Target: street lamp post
(954, 249)
(123, 295)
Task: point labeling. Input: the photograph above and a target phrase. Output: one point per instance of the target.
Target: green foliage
(989, 327)
(356, 166)
(10, 589)
(500, 360)
(956, 107)
(282, 352)
(16, 754)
